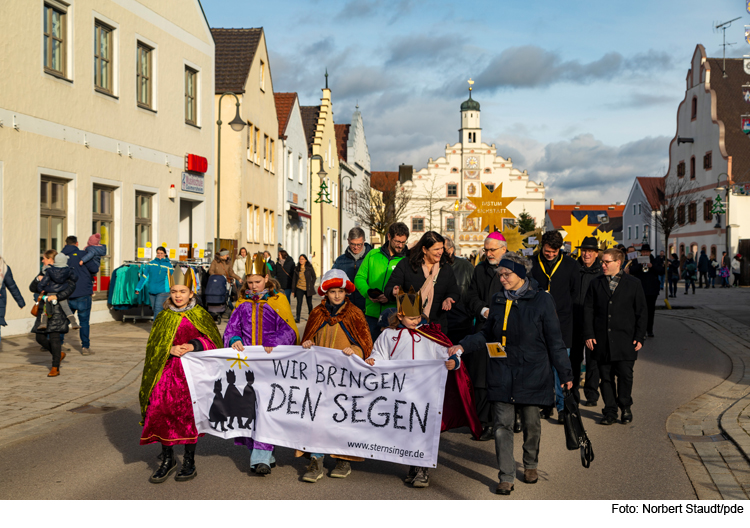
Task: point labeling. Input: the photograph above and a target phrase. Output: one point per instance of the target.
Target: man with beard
(375, 271)
(485, 283)
(591, 267)
(560, 276)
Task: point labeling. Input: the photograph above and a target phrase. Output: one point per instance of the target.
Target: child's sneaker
(421, 479)
(342, 470)
(73, 322)
(412, 473)
(314, 470)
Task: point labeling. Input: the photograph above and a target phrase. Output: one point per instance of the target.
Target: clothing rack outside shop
(141, 316)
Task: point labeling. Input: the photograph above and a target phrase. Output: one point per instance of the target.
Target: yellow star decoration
(606, 239)
(513, 238)
(577, 231)
(238, 361)
(492, 207)
(536, 233)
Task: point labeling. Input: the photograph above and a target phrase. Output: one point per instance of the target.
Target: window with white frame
(144, 75)
(104, 57)
(288, 167)
(636, 232)
(300, 170)
(262, 76)
(630, 233)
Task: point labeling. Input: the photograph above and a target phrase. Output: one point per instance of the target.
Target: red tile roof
(653, 188)
(235, 51)
(730, 106)
(384, 180)
(342, 137)
(613, 210)
(310, 124)
(284, 105)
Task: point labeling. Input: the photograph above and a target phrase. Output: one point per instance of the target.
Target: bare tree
(377, 210)
(430, 198)
(674, 196)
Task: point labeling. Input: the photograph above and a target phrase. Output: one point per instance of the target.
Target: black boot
(188, 470)
(518, 425)
(168, 465)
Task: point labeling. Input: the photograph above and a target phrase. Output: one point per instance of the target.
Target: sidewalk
(712, 432)
(32, 404)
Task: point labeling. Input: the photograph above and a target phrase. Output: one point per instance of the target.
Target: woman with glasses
(523, 340)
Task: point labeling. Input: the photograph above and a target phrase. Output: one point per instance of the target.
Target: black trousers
(477, 369)
(591, 381)
(591, 384)
(616, 385)
(52, 343)
(703, 279)
(302, 293)
(651, 307)
(673, 286)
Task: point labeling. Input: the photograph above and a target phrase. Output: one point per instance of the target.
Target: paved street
(76, 436)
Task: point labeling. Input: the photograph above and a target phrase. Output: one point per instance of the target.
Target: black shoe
(262, 469)
(651, 335)
(588, 403)
(518, 424)
(488, 433)
(560, 418)
(168, 465)
(546, 412)
(188, 470)
(608, 420)
(627, 416)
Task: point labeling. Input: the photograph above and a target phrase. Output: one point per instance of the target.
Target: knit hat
(61, 260)
(496, 235)
(95, 239)
(335, 279)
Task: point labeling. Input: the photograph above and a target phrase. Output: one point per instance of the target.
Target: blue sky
(582, 94)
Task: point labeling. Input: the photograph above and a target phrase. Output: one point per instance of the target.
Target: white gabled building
(354, 165)
(639, 220)
(458, 175)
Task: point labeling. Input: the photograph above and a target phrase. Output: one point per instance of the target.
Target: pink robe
(169, 417)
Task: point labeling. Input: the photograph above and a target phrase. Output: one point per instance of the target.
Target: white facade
(639, 220)
(82, 150)
(355, 169)
(458, 175)
(706, 158)
(296, 196)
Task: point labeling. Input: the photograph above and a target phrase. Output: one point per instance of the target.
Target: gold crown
(178, 278)
(409, 304)
(256, 265)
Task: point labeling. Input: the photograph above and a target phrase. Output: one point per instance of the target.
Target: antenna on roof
(723, 27)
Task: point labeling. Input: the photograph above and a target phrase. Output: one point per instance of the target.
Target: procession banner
(320, 401)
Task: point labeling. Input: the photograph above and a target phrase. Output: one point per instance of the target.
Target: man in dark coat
(703, 264)
(460, 320)
(649, 277)
(81, 299)
(285, 272)
(485, 283)
(614, 319)
(591, 268)
(560, 276)
(352, 259)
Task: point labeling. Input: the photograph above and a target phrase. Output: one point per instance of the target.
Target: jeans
(157, 302)
(558, 390)
(52, 343)
(372, 323)
(673, 286)
(82, 305)
(288, 293)
(661, 282)
(688, 282)
(504, 415)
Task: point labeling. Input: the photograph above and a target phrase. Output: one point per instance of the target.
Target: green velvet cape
(160, 342)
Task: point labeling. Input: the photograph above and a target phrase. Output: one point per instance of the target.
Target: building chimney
(551, 203)
(405, 173)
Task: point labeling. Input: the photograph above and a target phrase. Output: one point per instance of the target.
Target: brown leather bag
(35, 308)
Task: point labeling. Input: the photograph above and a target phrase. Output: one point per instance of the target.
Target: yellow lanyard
(508, 304)
(549, 277)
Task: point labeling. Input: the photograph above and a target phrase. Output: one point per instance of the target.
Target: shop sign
(192, 182)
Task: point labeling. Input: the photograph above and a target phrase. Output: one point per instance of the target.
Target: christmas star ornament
(577, 230)
(513, 238)
(491, 208)
(606, 239)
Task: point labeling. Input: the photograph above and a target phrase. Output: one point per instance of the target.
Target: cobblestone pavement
(712, 432)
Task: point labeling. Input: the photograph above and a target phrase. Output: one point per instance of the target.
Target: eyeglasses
(491, 250)
(353, 245)
(505, 276)
(607, 262)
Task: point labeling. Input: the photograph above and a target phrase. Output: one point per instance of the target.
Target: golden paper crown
(178, 278)
(256, 265)
(409, 304)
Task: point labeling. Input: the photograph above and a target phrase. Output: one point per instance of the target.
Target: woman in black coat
(303, 284)
(522, 320)
(57, 323)
(427, 259)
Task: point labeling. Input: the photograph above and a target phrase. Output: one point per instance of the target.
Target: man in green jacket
(375, 271)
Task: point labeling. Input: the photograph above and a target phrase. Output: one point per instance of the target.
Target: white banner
(320, 401)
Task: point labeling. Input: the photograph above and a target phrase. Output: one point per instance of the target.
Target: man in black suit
(560, 276)
(614, 319)
(648, 274)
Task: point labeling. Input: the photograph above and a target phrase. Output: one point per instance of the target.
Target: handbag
(35, 308)
(575, 433)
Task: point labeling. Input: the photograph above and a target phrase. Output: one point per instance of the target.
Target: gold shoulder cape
(160, 342)
(279, 304)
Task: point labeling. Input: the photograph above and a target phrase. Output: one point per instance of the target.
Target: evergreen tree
(525, 223)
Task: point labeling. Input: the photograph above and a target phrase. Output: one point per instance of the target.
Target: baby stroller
(217, 294)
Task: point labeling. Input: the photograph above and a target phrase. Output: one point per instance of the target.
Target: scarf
(427, 291)
(333, 308)
(189, 306)
(514, 295)
(358, 256)
(614, 281)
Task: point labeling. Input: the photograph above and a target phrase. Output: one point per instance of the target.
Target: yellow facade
(325, 217)
(58, 127)
(249, 177)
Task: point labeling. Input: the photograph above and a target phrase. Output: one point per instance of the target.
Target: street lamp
(322, 174)
(237, 124)
(349, 198)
